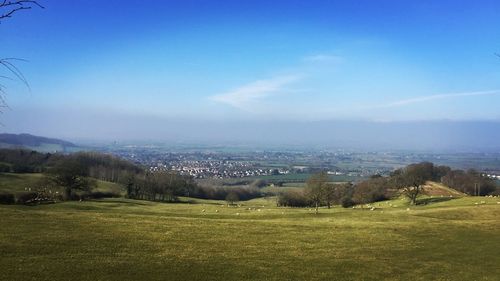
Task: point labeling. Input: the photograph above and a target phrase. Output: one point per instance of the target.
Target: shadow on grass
(426, 201)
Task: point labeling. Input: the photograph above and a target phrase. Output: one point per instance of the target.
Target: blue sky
(287, 61)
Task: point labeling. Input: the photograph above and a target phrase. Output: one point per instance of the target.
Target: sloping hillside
(16, 183)
(437, 189)
(37, 143)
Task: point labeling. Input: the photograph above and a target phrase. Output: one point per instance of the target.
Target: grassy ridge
(17, 182)
(14, 183)
(120, 239)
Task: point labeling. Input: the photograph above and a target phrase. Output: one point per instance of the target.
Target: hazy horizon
(437, 135)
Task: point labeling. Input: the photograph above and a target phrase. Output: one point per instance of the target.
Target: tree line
(76, 176)
(409, 180)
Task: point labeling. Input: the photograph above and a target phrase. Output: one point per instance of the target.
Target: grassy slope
(119, 239)
(14, 183)
(17, 182)
(437, 189)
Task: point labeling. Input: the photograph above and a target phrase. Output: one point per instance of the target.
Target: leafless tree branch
(8, 8)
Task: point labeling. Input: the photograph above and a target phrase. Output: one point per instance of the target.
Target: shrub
(101, 194)
(4, 168)
(293, 199)
(220, 193)
(258, 183)
(346, 202)
(372, 190)
(232, 197)
(7, 198)
(22, 168)
(26, 197)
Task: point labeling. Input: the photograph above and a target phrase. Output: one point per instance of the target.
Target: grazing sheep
(237, 214)
(216, 211)
(407, 209)
(372, 208)
(203, 211)
(258, 210)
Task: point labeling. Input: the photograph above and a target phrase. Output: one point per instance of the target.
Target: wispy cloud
(322, 58)
(437, 97)
(245, 96)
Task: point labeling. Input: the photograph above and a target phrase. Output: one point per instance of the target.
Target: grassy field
(17, 182)
(10, 182)
(120, 239)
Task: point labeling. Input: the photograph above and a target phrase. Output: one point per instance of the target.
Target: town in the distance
(278, 166)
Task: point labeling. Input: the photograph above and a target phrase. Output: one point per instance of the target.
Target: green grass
(121, 239)
(15, 183)
(10, 182)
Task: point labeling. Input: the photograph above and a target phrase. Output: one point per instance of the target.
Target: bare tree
(315, 188)
(330, 194)
(412, 178)
(7, 10)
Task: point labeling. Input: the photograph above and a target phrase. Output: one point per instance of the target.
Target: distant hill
(37, 143)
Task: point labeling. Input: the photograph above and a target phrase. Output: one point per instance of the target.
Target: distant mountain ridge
(34, 142)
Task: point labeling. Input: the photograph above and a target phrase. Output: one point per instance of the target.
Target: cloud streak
(322, 58)
(245, 96)
(438, 97)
